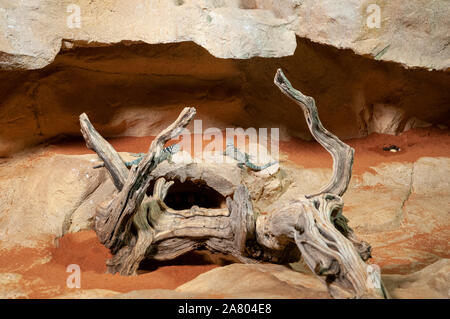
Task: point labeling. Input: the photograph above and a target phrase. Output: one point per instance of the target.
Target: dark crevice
(194, 258)
(184, 195)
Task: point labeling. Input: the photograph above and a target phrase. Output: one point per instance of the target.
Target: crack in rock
(408, 195)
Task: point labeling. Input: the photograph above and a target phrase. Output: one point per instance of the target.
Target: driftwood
(136, 226)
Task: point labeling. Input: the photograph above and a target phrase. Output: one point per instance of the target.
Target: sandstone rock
(270, 281)
(388, 186)
(225, 30)
(256, 281)
(385, 119)
(412, 33)
(430, 176)
(122, 67)
(18, 286)
(83, 216)
(229, 29)
(432, 282)
(403, 215)
(414, 122)
(40, 193)
(400, 208)
(407, 219)
(139, 89)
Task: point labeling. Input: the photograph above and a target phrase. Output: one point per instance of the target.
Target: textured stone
(256, 281)
(407, 220)
(400, 208)
(54, 188)
(412, 33)
(431, 282)
(139, 89)
(156, 294)
(223, 28)
(385, 119)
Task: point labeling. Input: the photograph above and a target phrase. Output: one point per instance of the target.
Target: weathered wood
(327, 252)
(327, 244)
(136, 226)
(221, 230)
(128, 258)
(112, 221)
(166, 234)
(113, 162)
(341, 223)
(342, 153)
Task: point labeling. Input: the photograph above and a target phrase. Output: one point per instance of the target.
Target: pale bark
(135, 226)
(342, 153)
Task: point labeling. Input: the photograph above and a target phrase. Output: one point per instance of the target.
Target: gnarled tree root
(136, 226)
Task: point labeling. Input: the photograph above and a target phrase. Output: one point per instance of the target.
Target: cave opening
(184, 195)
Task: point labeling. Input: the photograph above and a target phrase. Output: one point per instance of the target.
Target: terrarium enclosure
(224, 149)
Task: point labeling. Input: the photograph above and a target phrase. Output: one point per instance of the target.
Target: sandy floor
(84, 249)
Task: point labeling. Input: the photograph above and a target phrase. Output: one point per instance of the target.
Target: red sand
(84, 249)
(415, 143)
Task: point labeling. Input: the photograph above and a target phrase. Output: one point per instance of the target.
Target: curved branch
(172, 131)
(342, 153)
(113, 162)
(111, 222)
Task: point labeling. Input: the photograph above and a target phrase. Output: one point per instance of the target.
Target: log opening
(190, 193)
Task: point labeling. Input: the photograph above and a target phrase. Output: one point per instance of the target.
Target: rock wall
(413, 33)
(404, 222)
(136, 90)
(126, 62)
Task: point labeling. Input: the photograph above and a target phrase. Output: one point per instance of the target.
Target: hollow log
(113, 222)
(136, 226)
(163, 233)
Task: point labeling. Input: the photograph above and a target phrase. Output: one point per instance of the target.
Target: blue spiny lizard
(244, 159)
